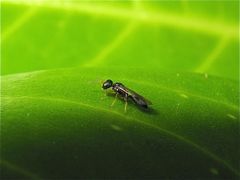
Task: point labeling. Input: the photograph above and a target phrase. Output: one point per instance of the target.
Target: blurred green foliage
(195, 36)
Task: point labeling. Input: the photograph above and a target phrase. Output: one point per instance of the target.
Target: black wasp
(126, 93)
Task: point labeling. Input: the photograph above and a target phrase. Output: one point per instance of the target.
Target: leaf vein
(212, 57)
(18, 23)
(18, 169)
(106, 51)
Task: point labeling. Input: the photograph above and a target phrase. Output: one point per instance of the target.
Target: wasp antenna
(100, 82)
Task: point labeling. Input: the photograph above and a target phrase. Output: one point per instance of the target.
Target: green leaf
(59, 124)
(171, 36)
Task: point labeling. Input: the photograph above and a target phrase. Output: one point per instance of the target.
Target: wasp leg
(105, 94)
(114, 100)
(126, 103)
(102, 98)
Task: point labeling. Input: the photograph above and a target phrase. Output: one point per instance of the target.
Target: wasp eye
(107, 84)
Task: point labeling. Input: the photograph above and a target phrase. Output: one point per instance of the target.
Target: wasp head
(107, 84)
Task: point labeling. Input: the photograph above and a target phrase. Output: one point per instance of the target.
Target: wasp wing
(138, 99)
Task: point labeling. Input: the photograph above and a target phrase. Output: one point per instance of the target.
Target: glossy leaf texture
(59, 124)
(195, 36)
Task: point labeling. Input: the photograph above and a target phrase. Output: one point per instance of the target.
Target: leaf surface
(59, 123)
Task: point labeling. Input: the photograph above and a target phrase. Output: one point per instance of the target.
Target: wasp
(126, 94)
